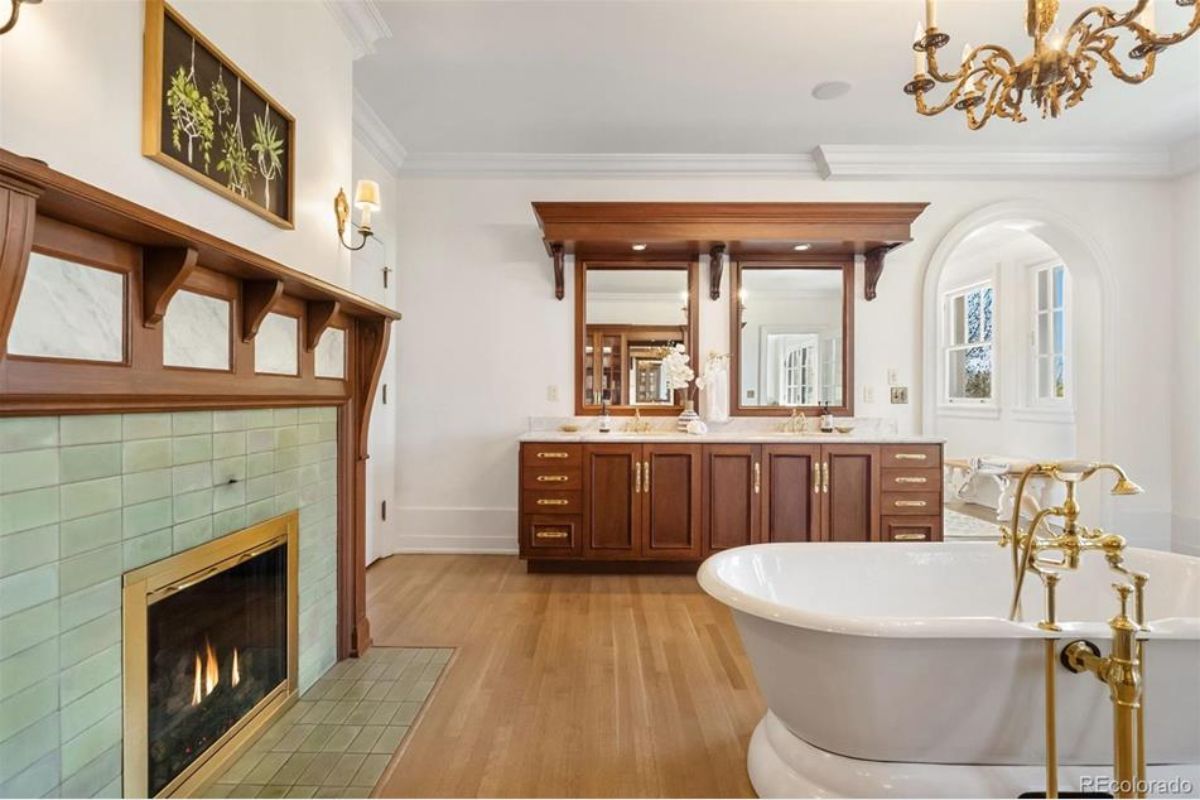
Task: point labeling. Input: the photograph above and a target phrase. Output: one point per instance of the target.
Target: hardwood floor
(567, 685)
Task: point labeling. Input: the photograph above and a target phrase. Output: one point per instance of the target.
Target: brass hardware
(646, 479)
(553, 454)
(555, 534)
(553, 478)
(910, 456)
(910, 503)
(1055, 76)
(904, 479)
(757, 477)
(909, 537)
(553, 502)
(637, 477)
(825, 478)
(816, 471)
(637, 424)
(796, 423)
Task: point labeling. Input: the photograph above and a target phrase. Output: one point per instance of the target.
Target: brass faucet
(796, 423)
(638, 424)
(1122, 669)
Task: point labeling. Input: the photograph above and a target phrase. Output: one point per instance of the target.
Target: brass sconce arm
(16, 12)
(366, 197)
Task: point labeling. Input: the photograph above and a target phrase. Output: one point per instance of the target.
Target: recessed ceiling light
(639, 247)
(801, 247)
(831, 90)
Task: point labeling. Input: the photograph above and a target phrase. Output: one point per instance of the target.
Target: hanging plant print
(207, 120)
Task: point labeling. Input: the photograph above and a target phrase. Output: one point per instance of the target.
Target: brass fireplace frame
(145, 586)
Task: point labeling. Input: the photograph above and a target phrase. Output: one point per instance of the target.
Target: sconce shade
(366, 195)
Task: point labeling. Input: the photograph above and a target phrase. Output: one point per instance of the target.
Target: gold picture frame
(186, 82)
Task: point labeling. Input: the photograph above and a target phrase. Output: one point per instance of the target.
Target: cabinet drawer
(546, 502)
(911, 480)
(539, 454)
(912, 455)
(569, 479)
(551, 535)
(912, 529)
(928, 503)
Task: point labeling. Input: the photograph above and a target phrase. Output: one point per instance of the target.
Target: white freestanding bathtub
(891, 670)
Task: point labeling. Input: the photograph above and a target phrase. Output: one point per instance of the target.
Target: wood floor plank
(567, 685)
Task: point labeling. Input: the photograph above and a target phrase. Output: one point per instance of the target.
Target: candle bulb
(966, 55)
(930, 14)
(918, 55)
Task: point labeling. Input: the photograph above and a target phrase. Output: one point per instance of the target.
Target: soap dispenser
(605, 420)
(826, 419)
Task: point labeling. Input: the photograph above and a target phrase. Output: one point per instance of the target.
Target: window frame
(1033, 397)
(946, 347)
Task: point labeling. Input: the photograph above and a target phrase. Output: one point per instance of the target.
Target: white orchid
(679, 374)
(714, 365)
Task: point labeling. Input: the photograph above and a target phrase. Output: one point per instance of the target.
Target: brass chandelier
(991, 82)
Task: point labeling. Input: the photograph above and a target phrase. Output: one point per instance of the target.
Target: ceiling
(721, 77)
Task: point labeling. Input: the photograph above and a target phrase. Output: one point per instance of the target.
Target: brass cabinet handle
(909, 537)
(553, 502)
(551, 535)
(909, 503)
(757, 477)
(825, 480)
(552, 454)
(553, 478)
(904, 480)
(910, 456)
(646, 480)
(816, 471)
(637, 477)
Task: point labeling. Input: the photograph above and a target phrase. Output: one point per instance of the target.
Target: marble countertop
(743, 437)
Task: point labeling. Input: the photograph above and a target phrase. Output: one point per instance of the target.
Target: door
(612, 500)
(671, 502)
(732, 493)
(850, 492)
(791, 493)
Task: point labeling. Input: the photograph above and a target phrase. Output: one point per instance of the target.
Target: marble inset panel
(69, 310)
(277, 346)
(196, 332)
(331, 354)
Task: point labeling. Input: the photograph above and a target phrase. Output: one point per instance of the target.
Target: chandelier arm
(1105, 51)
(967, 68)
(1110, 19)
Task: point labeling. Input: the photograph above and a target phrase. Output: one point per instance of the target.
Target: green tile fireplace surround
(84, 499)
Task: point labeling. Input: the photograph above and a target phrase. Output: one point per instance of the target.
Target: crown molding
(871, 162)
(374, 134)
(1185, 156)
(362, 22)
(609, 165)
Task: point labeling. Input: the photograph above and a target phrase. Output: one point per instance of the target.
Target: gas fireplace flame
(212, 670)
(207, 672)
(197, 689)
(236, 678)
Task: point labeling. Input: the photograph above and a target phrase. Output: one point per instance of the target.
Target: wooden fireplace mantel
(738, 230)
(46, 211)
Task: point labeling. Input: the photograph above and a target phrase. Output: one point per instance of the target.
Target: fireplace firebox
(210, 654)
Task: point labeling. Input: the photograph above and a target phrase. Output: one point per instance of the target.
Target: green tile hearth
(337, 740)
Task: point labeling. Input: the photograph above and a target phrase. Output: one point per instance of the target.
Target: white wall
(483, 337)
(1185, 373)
(71, 95)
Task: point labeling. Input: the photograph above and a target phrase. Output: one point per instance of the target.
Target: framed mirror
(792, 336)
(629, 314)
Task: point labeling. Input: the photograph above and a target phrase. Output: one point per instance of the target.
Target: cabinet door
(611, 500)
(791, 498)
(671, 506)
(850, 492)
(732, 492)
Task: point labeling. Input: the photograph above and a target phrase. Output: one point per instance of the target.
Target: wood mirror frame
(690, 339)
(843, 262)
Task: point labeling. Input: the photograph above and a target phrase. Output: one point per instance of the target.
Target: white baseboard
(1185, 535)
(452, 530)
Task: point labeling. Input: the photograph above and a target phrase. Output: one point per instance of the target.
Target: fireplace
(210, 654)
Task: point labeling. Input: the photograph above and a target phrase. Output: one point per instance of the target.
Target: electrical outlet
(899, 395)
(868, 394)
(891, 375)
(552, 393)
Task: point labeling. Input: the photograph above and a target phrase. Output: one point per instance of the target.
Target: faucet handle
(1123, 590)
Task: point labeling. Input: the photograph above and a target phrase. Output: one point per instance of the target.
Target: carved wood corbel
(258, 297)
(164, 270)
(716, 266)
(318, 314)
(874, 267)
(556, 250)
(18, 209)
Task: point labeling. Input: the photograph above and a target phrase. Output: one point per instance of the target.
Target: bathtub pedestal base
(783, 765)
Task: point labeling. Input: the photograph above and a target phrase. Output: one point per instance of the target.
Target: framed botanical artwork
(207, 120)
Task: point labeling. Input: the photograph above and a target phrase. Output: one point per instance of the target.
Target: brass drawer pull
(551, 535)
(912, 480)
(646, 469)
(910, 456)
(554, 454)
(553, 502)
(637, 477)
(816, 471)
(909, 537)
(757, 477)
(825, 480)
(553, 478)
(909, 503)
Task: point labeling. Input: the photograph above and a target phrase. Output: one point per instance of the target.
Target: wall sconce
(14, 11)
(366, 200)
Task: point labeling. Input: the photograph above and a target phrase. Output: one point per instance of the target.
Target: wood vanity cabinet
(664, 501)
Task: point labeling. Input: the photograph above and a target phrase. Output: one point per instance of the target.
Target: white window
(798, 373)
(1050, 338)
(968, 344)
